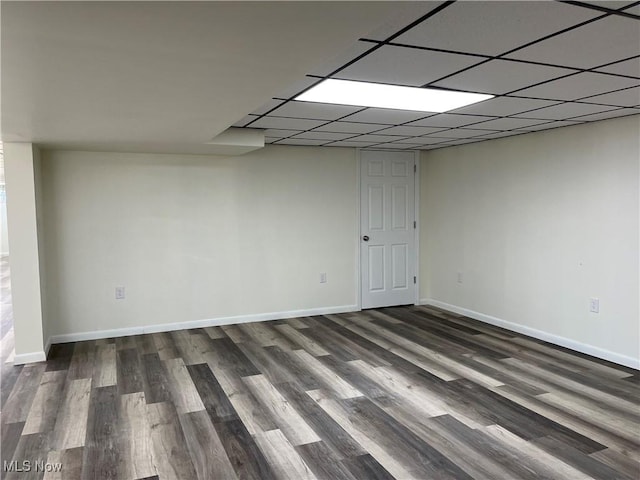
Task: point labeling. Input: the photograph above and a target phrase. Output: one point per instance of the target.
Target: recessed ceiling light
(363, 94)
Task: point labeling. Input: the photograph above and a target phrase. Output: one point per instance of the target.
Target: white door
(387, 228)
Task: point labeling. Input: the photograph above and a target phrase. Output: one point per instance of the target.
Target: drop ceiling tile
(549, 125)
(349, 143)
(301, 141)
(612, 4)
(628, 67)
(274, 132)
(635, 10)
(463, 141)
(405, 66)
(504, 106)
(409, 131)
(399, 146)
(297, 87)
(314, 111)
(464, 132)
(565, 110)
(341, 59)
(508, 123)
(267, 106)
(351, 127)
(406, 14)
(492, 28)
(449, 120)
(503, 134)
(603, 41)
(431, 147)
(619, 112)
(423, 140)
(578, 86)
(315, 135)
(244, 121)
(501, 76)
(623, 98)
(377, 138)
(287, 123)
(385, 116)
(271, 139)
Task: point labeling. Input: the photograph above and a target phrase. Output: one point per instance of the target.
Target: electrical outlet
(594, 305)
(119, 293)
(459, 277)
(323, 278)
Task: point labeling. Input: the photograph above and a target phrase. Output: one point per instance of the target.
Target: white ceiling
(550, 65)
(160, 76)
(169, 76)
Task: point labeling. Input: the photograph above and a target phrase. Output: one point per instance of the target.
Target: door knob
(365, 238)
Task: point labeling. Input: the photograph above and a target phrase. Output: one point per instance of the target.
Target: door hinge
(415, 168)
(414, 224)
(415, 280)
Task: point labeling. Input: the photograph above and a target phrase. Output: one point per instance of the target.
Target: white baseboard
(539, 334)
(29, 358)
(212, 322)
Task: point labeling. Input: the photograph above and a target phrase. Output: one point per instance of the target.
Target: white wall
(194, 238)
(22, 167)
(537, 224)
(4, 235)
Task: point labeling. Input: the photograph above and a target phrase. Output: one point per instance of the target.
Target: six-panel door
(387, 236)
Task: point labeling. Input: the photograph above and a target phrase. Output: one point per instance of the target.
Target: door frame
(416, 231)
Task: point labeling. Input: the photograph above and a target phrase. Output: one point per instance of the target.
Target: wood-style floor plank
(292, 424)
(165, 345)
(323, 462)
(207, 452)
(213, 397)
(395, 393)
(365, 466)
(31, 448)
(169, 452)
(42, 414)
(105, 371)
(72, 415)
(301, 341)
(22, 394)
(102, 453)
(183, 391)
(82, 360)
(11, 433)
(283, 458)
(65, 465)
(129, 371)
(155, 379)
(135, 432)
(246, 458)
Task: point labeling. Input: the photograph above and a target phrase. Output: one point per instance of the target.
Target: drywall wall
(42, 242)
(22, 167)
(193, 238)
(537, 225)
(4, 236)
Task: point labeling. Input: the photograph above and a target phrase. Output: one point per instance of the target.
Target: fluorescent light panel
(363, 94)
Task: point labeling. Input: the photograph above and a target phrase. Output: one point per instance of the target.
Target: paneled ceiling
(159, 76)
(549, 65)
(170, 76)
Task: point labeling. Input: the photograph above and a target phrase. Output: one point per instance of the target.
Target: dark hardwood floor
(408, 392)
